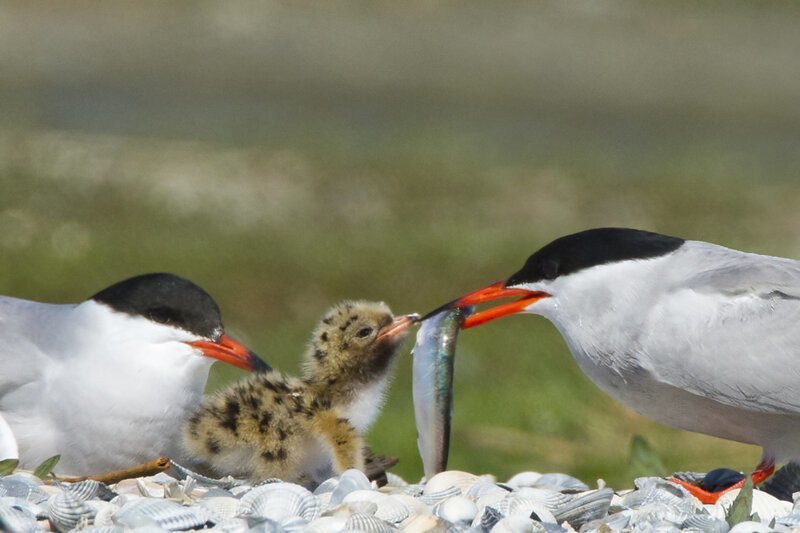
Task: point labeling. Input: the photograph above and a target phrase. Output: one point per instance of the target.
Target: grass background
(285, 156)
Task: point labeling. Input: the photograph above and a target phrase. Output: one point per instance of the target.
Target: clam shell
(750, 527)
(349, 481)
(327, 524)
(585, 507)
(706, 523)
(368, 524)
(103, 529)
(516, 524)
(220, 508)
(432, 498)
(484, 488)
(388, 508)
(450, 478)
(167, 514)
(280, 502)
(89, 489)
(66, 511)
(103, 512)
(488, 519)
(23, 486)
(561, 482)
(423, 524)
(232, 525)
(765, 505)
(17, 520)
(457, 510)
(658, 512)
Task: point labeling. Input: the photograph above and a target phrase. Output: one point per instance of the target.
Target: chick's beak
(398, 326)
(232, 352)
(495, 291)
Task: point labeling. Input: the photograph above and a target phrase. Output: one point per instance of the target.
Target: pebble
(451, 502)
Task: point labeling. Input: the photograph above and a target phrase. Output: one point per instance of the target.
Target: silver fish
(434, 353)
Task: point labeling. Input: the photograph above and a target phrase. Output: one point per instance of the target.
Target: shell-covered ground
(452, 501)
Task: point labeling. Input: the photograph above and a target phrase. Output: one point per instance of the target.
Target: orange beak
(495, 291)
(398, 326)
(232, 352)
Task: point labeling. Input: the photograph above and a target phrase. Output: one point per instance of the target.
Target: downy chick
(305, 430)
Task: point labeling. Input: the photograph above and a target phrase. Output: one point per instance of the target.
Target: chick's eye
(364, 332)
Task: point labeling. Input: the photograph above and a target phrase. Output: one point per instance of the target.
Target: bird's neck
(357, 400)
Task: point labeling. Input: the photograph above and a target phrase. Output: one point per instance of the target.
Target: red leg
(764, 469)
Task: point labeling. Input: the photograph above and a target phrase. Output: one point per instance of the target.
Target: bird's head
(567, 266)
(168, 308)
(356, 341)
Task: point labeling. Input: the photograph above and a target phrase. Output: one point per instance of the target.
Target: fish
(433, 357)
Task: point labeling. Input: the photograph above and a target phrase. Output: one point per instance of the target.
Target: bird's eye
(364, 332)
(162, 315)
(550, 269)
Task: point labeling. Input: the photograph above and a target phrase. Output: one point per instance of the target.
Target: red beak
(495, 291)
(232, 352)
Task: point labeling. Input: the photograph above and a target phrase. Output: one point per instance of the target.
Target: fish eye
(364, 332)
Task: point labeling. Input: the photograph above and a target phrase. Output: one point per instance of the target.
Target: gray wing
(732, 323)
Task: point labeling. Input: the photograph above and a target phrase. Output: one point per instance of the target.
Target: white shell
(457, 510)
(221, 508)
(232, 525)
(368, 524)
(349, 481)
(750, 527)
(516, 524)
(66, 511)
(432, 498)
(24, 486)
(422, 524)
(765, 505)
(327, 524)
(584, 507)
(89, 489)
(705, 523)
(166, 513)
(450, 478)
(280, 502)
(17, 520)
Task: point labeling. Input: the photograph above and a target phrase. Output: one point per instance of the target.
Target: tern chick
(305, 430)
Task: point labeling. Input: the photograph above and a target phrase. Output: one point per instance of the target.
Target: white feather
(705, 338)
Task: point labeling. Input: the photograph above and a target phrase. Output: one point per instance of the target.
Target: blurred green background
(287, 155)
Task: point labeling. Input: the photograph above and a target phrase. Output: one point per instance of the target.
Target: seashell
(765, 505)
(561, 482)
(66, 511)
(750, 527)
(660, 492)
(415, 506)
(615, 522)
(707, 523)
(516, 524)
(232, 525)
(488, 519)
(226, 482)
(658, 512)
(584, 507)
(13, 519)
(520, 504)
(362, 495)
(294, 523)
(393, 480)
(280, 502)
(23, 486)
(457, 510)
(432, 498)
(327, 524)
(387, 507)
(393, 510)
(450, 478)
(263, 525)
(164, 513)
(368, 524)
(349, 481)
(89, 489)
(423, 524)
(148, 489)
(103, 512)
(484, 488)
(103, 529)
(220, 508)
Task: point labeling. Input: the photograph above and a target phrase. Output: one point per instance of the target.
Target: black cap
(167, 299)
(593, 247)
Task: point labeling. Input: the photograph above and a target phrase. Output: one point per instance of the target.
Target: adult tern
(106, 383)
(687, 333)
